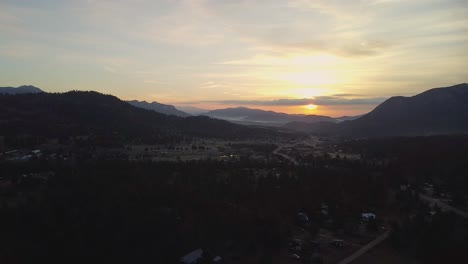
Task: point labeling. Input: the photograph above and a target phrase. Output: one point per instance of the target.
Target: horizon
(295, 57)
(223, 107)
(197, 110)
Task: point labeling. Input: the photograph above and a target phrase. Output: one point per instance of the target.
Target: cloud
(151, 81)
(343, 95)
(110, 69)
(334, 100)
(319, 100)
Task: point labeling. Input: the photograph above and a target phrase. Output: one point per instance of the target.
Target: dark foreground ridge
(56, 115)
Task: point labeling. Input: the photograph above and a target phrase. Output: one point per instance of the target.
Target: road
(304, 142)
(384, 236)
(444, 206)
(365, 248)
(291, 159)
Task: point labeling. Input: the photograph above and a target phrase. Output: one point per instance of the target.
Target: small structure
(366, 217)
(324, 209)
(303, 219)
(338, 243)
(192, 257)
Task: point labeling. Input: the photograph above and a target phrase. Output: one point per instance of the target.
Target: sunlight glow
(314, 60)
(310, 107)
(309, 78)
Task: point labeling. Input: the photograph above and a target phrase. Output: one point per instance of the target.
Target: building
(192, 257)
(366, 217)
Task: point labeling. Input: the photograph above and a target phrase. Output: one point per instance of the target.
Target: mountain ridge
(268, 117)
(77, 113)
(23, 89)
(158, 107)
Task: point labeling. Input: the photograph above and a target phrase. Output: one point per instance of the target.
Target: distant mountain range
(436, 111)
(241, 115)
(158, 107)
(191, 109)
(25, 89)
(33, 112)
(248, 116)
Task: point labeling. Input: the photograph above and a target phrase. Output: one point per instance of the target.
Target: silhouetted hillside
(436, 111)
(25, 89)
(248, 115)
(158, 107)
(91, 113)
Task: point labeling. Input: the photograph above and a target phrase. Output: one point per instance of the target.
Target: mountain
(25, 89)
(256, 116)
(347, 118)
(61, 115)
(192, 110)
(434, 112)
(160, 108)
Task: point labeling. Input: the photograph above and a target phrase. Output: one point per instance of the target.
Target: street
(444, 206)
(365, 248)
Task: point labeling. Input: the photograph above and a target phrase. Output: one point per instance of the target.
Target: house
(36, 153)
(295, 256)
(338, 243)
(303, 219)
(217, 259)
(192, 257)
(324, 209)
(366, 217)
(200, 256)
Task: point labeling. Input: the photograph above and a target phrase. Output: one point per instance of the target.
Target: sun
(310, 107)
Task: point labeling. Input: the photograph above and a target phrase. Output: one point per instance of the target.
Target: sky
(328, 57)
